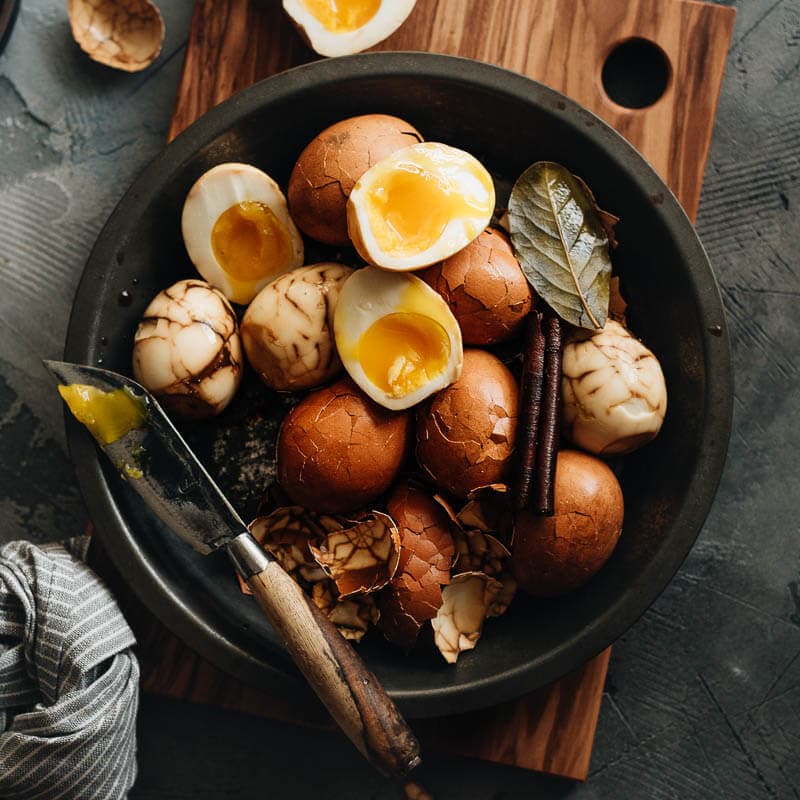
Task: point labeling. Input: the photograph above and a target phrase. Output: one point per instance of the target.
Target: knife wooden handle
(351, 693)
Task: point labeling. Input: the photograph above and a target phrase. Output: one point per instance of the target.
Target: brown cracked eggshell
(414, 594)
(187, 350)
(330, 165)
(360, 558)
(488, 509)
(287, 330)
(477, 551)
(465, 433)
(485, 288)
(123, 34)
(554, 555)
(466, 602)
(352, 616)
(338, 450)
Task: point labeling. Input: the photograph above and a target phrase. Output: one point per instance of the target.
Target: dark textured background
(703, 694)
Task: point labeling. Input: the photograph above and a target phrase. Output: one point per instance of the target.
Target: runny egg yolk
(403, 351)
(410, 206)
(107, 415)
(250, 242)
(342, 16)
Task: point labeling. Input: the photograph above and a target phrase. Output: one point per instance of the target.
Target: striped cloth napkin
(69, 684)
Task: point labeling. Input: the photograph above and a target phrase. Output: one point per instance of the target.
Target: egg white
(459, 231)
(389, 17)
(370, 294)
(212, 195)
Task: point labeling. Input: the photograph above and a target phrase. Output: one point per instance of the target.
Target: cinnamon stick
(530, 405)
(547, 447)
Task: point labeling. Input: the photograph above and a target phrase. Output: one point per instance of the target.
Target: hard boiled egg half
(238, 232)
(396, 337)
(419, 206)
(341, 27)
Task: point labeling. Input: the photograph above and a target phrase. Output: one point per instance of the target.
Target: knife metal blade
(154, 458)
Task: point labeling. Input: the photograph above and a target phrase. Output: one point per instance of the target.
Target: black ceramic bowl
(507, 121)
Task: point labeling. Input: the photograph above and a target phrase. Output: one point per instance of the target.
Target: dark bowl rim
(153, 586)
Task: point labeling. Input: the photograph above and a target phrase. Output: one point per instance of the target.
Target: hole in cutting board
(636, 73)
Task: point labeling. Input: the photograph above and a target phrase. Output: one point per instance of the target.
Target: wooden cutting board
(563, 43)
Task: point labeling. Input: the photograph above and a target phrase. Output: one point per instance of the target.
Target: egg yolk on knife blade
(396, 337)
(340, 16)
(108, 415)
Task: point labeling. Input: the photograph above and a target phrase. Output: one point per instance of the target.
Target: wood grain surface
(562, 43)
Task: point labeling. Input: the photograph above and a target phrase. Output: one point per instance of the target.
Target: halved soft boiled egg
(341, 27)
(419, 206)
(396, 337)
(238, 232)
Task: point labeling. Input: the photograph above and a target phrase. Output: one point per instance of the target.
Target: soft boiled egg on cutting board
(396, 337)
(419, 206)
(238, 232)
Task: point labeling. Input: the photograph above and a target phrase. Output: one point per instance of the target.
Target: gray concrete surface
(703, 695)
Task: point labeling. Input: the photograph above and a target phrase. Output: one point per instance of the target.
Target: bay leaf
(561, 243)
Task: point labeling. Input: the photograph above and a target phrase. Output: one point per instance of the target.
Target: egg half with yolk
(396, 337)
(238, 232)
(341, 27)
(419, 206)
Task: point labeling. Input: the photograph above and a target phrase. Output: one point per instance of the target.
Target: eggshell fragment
(352, 615)
(477, 551)
(361, 558)
(123, 34)
(287, 330)
(485, 288)
(338, 450)
(557, 554)
(331, 164)
(414, 595)
(465, 433)
(187, 350)
(466, 601)
(488, 509)
(614, 394)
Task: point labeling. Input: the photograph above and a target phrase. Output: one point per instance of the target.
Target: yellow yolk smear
(411, 204)
(107, 415)
(401, 352)
(342, 16)
(250, 243)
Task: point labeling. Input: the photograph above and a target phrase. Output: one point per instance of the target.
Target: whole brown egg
(556, 554)
(465, 433)
(485, 288)
(330, 165)
(338, 450)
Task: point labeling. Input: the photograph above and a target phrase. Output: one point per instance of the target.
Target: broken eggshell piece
(187, 350)
(466, 602)
(351, 615)
(361, 558)
(123, 34)
(343, 27)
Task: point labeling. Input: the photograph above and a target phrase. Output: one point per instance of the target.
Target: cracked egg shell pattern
(485, 288)
(187, 350)
(338, 451)
(614, 394)
(287, 331)
(556, 554)
(465, 433)
(414, 594)
(331, 164)
(344, 28)
(352, 615)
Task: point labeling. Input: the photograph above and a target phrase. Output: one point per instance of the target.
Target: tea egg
(418, 206)
(396, 337)
(238, 232)
(341, 27)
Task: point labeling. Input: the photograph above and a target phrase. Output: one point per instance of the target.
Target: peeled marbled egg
(418, 206)
(237, 230)
(341, 27)
(396, 337)
(287, 330)
(187, 350)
